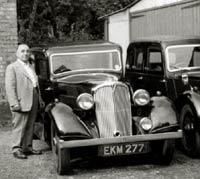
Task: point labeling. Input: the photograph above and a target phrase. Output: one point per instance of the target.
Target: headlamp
(146, 123)
(141, 97)
(85, 101)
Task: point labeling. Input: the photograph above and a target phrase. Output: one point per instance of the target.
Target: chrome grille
(113, 109)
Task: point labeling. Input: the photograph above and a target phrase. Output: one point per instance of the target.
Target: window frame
(132, 63)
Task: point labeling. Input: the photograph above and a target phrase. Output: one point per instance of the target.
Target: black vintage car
(91, 110)
(170, 66)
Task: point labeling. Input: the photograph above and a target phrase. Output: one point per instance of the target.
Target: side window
(41, 66)
(43, 72)
(139, 58)
(154, 62)
(195, 57)
(135, 58)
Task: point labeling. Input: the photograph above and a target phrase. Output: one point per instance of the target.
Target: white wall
(178, 18)
(118, 29)
(119, 24)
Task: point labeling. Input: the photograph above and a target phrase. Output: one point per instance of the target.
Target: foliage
(63, 19)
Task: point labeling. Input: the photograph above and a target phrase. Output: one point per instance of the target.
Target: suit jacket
(19, 87)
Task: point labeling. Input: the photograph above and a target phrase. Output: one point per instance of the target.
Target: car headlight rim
(146, 123)
(141, 97)
(85, 101)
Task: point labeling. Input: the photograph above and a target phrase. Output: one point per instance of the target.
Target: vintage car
(91, 110)
(170, 66)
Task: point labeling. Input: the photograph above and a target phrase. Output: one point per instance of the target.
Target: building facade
(146, 18)
(8, 39)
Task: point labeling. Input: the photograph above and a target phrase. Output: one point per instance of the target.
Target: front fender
(163, 112)
(194, 100)
(67, 122)
(191, 98)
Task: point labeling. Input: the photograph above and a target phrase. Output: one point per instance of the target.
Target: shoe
(33, 152)
(19, 154)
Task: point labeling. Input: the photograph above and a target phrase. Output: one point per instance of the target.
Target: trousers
(23, 126)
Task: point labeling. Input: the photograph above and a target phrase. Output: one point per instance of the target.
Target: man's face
(23, 52)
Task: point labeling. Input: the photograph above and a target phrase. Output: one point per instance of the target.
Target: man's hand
(16, 108)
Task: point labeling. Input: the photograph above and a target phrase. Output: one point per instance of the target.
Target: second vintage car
(91, 109)
(170, 66)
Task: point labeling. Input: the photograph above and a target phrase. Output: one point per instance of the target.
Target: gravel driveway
(42, 167)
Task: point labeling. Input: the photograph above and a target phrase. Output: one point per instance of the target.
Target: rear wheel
(47, 129)
(191, 137)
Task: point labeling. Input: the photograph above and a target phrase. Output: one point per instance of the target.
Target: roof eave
(120, 10)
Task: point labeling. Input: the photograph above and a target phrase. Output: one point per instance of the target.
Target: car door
(154, 73)
(135, 65)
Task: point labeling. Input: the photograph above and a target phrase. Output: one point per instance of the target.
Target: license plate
(123, 149)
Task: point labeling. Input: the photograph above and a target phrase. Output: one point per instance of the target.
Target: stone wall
(8, 38)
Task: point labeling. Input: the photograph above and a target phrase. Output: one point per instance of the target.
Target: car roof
(168, 40)
(76, 47)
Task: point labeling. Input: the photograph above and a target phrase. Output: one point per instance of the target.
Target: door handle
(140, 78)
(163, 81)
(49, 89)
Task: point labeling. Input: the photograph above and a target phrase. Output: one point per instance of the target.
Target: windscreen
(100, 60)
(183, 56)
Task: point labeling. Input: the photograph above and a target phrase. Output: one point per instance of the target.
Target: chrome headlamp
(146, 123)
(85, 101)
(141, 97)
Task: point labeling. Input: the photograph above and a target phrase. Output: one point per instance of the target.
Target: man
(22, 92)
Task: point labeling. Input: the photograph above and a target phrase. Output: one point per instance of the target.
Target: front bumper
(118, 140)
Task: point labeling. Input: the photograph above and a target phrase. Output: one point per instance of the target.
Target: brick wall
(8, 38)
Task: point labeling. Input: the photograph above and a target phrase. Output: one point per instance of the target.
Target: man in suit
(23, 96)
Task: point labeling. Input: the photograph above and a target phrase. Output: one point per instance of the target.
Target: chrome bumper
(119, 140)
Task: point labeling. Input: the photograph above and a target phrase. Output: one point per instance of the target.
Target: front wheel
(63, 161)
(54, 138)
(167, 151)
(62, 156)
(191, 137)
(164, 151)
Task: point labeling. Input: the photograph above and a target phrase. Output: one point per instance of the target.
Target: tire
(61, 156)
(191, 137)
(167, 151)
(164, 151)
(63, 162)
(54, 138)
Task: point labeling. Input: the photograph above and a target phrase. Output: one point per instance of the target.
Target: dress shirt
(30, 72)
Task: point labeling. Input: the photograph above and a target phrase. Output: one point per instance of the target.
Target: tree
(32, 18)
(53, 20)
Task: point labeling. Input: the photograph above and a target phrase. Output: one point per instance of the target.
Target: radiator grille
(113, 110)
